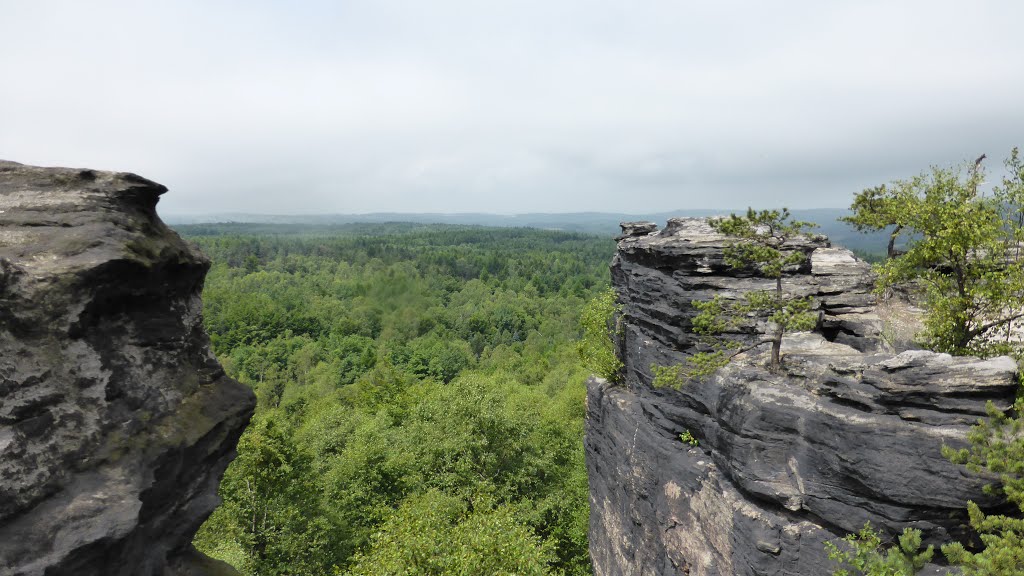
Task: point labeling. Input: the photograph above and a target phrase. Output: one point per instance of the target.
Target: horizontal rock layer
(850, 432)
(116, 422)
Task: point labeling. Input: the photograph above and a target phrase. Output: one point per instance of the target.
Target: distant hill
(601, 223)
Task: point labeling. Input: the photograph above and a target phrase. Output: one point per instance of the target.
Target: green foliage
(962, 247)
(762, 235)
(596, 348)
(698, 365)
(688, 438)
(711, 316)
(268, 519)
(996, 446)
(663, 376)
(420, 398)
(758, 246)
(434, 533)
(1003, 537)
(881, 208)
(863, 554)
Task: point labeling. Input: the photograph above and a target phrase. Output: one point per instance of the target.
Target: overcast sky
(509, 106)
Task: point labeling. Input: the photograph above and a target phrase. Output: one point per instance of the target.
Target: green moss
(596, 349)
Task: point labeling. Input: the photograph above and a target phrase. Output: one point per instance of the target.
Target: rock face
(849, 432)
(116, 421)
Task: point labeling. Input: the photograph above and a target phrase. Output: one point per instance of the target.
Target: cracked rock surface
(116, 421)
(849, 432)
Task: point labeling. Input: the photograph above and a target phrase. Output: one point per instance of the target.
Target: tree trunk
(776, 350)
(890, 250)
(779, 330)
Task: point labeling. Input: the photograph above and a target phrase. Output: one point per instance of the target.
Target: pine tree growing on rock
(757, 241)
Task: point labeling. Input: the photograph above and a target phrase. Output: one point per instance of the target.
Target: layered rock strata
(116, 421)
(849, 432)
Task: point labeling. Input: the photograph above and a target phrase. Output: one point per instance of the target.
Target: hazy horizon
(510, 107)
(469, 212)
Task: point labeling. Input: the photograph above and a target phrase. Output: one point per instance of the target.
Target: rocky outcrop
(849, 432)
(116, 421)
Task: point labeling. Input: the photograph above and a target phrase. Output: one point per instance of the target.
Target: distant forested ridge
(420, 400)
(598, 223)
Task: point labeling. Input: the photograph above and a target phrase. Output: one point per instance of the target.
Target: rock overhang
(116, 421)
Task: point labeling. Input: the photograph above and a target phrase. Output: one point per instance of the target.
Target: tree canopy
(963, 251)
(420, 398)
(962, 248)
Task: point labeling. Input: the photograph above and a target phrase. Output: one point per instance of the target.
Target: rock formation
(116, 421)
(849, 432)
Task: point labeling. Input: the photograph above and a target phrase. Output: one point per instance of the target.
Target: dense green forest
(420, 397)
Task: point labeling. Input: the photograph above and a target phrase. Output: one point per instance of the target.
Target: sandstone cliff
(849, 432)
(116, 422)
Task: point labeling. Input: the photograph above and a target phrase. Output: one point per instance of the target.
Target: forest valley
(420, 397)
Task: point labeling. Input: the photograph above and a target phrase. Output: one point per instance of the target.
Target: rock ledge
(116, 421)
(850, 432)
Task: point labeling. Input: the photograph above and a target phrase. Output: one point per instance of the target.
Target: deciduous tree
(962, 248)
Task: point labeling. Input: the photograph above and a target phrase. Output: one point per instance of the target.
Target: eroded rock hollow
(116, 421)
(850, 431)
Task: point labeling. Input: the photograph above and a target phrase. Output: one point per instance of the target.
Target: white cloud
(509, 106)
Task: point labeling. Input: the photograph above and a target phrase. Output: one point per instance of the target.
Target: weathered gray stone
(116, 421)
(849, 432)
(637, 228)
